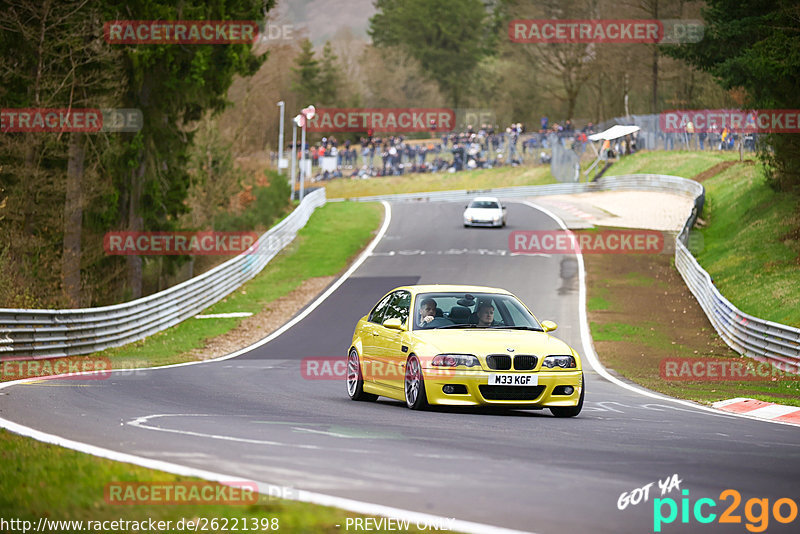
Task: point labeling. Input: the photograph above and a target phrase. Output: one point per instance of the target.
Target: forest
(201, 156)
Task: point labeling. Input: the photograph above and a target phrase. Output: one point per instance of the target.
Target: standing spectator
(365, 150)
(690, 135)
(669, 141)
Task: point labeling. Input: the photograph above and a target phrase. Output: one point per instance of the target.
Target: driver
(427, 311)
(485, 314)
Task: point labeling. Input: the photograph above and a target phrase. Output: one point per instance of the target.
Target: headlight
(565, 362)
(454, 360)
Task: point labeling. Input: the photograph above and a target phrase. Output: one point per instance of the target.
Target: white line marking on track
(142, 422)
(263, 487)
(230, 315)
(603, 405)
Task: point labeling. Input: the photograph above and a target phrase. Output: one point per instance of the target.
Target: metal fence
(760, 339)
(652, 137)
(26, 334)
(632, 182)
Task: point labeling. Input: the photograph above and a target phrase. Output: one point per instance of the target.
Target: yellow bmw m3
(462, 345)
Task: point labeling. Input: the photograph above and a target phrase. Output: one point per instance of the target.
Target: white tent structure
(615, 132)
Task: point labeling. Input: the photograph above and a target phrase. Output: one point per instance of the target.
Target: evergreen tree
(307, 75)
(755, 45)
(330, 78)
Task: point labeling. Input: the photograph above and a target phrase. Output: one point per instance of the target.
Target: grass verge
(642, 314)
(638, 328)
(335, 233)
(442, 181)
(752, 244)
(44, 481)
(751, 248)
(686, 164)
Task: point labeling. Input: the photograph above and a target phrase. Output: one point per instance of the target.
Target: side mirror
(549, 326)
(503, 207)
(394, 323)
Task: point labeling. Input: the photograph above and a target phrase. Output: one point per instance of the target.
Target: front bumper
(478, 392)
(483, 223)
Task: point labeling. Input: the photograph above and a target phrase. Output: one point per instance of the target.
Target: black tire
(414, 385)
(355, 380)
(571, 411)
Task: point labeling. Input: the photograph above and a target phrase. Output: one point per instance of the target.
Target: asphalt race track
(256, 417)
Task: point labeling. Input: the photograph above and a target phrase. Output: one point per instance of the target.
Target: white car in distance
(485, 211)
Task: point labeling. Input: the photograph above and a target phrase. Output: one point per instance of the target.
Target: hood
(483, 213)
(480, 342)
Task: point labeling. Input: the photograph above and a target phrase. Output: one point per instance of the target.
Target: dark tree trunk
(135, 224)
(654, 104)
(73, 219)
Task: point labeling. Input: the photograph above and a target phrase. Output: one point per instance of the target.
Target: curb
(761, 410)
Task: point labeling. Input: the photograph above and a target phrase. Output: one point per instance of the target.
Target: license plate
(513, 380)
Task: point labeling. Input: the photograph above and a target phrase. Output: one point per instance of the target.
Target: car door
(370, 338)
(391, 354)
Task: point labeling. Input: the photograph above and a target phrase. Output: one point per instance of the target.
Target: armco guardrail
(760, 339)
(632, 182)
(35, 334)
(747, 335)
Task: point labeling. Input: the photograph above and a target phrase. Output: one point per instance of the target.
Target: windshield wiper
(457, 325)
(532, 328)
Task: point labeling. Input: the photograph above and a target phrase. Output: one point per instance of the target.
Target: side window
(377, 314)
(518, 316)
(398, 306)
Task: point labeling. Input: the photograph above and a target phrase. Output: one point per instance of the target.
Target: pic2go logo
(756, 511)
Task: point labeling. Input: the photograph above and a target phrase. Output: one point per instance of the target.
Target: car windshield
(484, 204)
(472, 310)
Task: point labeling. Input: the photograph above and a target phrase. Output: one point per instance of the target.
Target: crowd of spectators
(488, 146)
(473, 148)
(716, 139)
